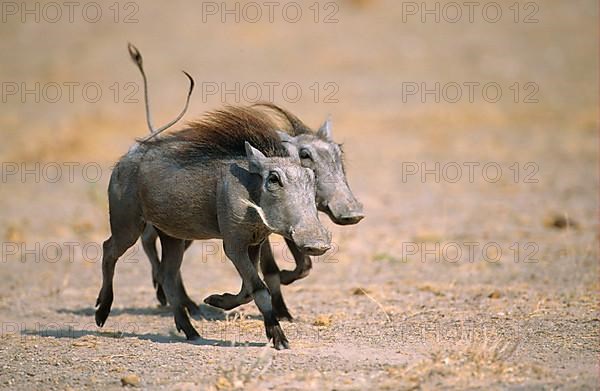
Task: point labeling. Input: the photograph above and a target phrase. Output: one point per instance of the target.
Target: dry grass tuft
(245, 377)
(465, 366)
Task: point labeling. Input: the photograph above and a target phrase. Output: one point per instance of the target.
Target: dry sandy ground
(374, 313)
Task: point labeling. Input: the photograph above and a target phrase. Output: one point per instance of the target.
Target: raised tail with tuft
(137, 59)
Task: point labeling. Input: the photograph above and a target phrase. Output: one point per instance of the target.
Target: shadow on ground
(205, 312)
(70, 333)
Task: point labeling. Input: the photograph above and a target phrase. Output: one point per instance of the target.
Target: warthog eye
(304, 154)
(274, 180)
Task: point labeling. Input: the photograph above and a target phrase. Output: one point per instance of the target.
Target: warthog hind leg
(170, 278)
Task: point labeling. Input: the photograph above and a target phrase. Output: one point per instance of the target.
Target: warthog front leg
(169, 277)
(245, 258)
(303, 265)
(229, 301)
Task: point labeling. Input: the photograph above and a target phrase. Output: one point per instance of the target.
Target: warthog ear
(285, 137)
(256, 159)
(324, 131)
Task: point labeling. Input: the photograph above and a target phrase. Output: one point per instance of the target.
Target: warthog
(208, 182)
(317, 151)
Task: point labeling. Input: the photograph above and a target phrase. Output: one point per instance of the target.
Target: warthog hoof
(276, 334)
(101, 315)
(103, 310)
(182, 323)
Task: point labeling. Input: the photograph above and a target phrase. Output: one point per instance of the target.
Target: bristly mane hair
(222, 133)
(298, 127)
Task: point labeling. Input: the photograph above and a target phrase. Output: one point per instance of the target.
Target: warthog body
(317, 151)
(206, 182)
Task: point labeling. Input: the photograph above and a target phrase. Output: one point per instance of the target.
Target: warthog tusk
(258, 210)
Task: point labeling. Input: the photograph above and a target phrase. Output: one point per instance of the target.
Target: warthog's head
(324, 157)
(287, 201)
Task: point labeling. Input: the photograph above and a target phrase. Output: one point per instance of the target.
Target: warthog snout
(348, 211)
(311, 243)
